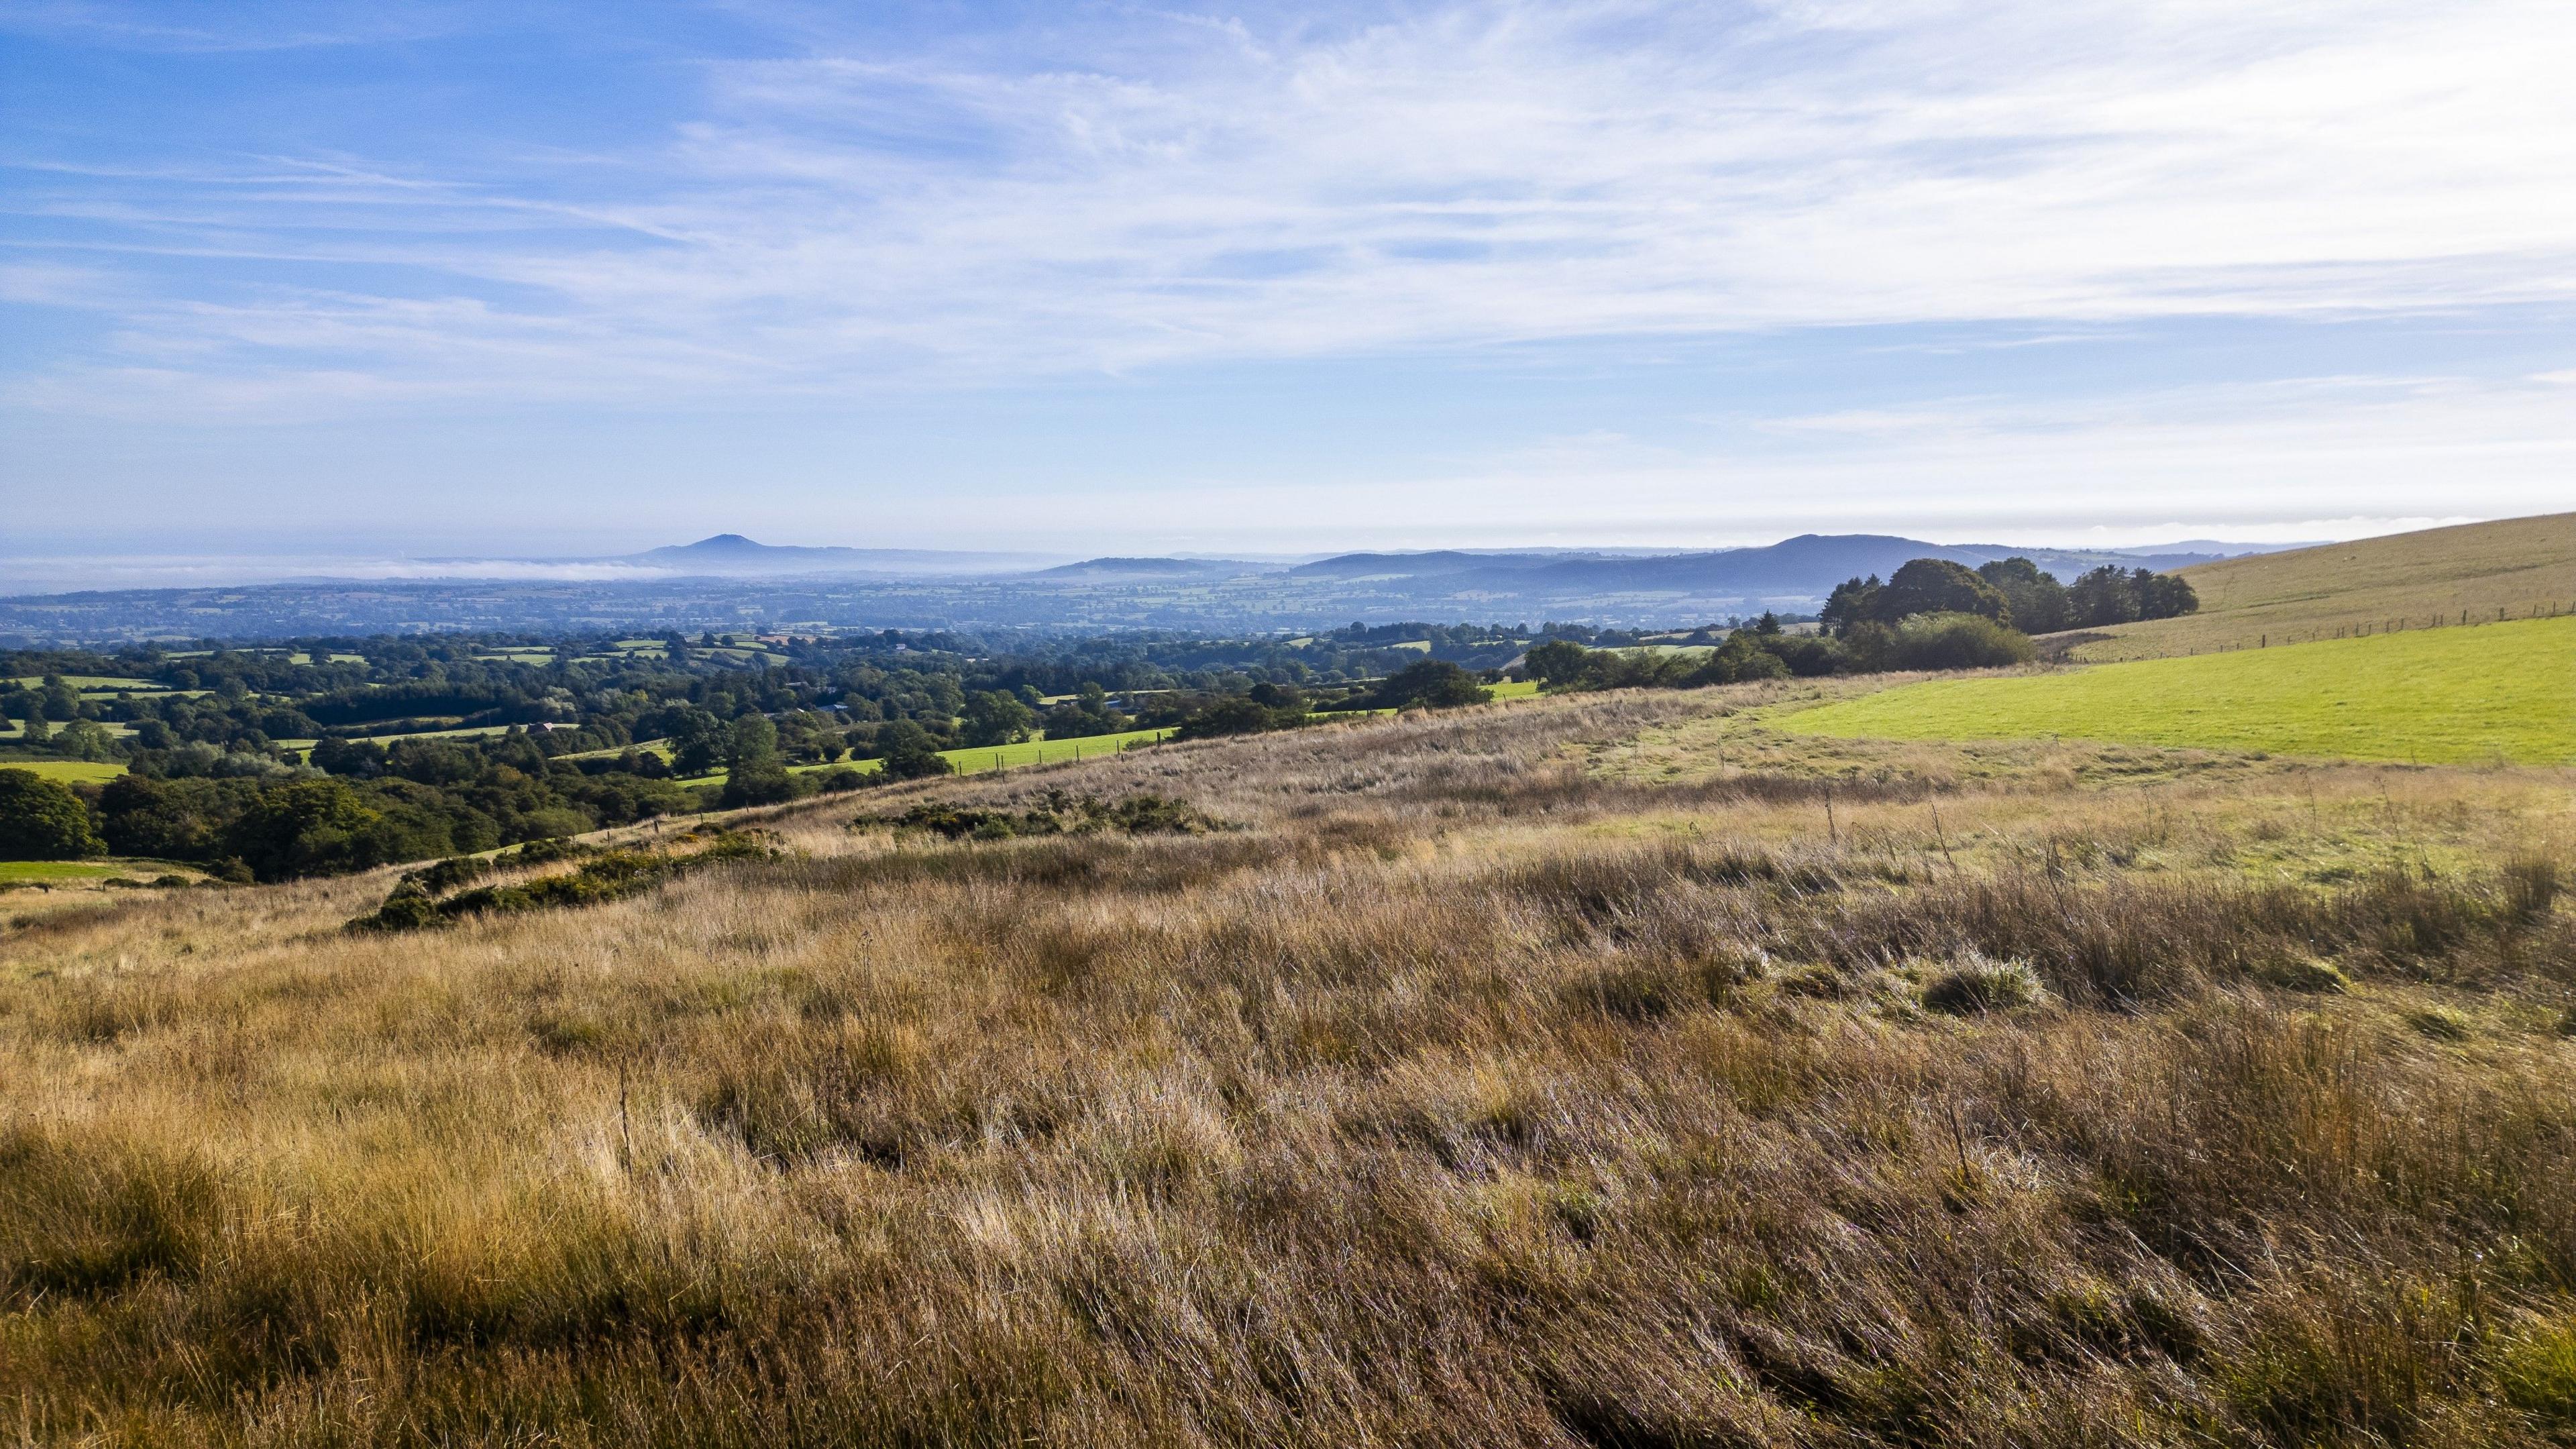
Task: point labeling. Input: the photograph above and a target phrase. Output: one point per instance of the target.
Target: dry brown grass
(1526, 1076)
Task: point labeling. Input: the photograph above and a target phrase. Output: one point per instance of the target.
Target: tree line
(1931, 614)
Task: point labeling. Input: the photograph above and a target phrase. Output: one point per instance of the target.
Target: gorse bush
(1978, 985)
(1957, 641)
(602, 876)
(1055, 813)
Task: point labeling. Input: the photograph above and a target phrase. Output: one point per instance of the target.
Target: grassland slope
(1467, 1089)
(2458, 695)
(2520, 566)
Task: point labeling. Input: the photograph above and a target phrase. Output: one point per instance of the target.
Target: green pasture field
(54, 870)
(2437, 696)
(96, 686)
(68, 771)
(1036, 752)
(2513, 568)
(90, 870)
(453, 734)
(980, 759)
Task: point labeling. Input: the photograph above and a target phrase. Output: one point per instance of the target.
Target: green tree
(697, 744)
(1937, 586)
(303, 827)
(754, 773)
(1853, 601)
(62, 702)
(2037, 600)
(1741, 658)
(1430, 683)
(908, 751)
(165, 819)
(995, 718)
(1558, 661)
(2165, 596)
(41, 820)
(2104, 596)
(1235, 714)
(85, 739)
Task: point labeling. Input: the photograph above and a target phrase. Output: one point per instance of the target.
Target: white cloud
(1472, 174)
(2319, 458)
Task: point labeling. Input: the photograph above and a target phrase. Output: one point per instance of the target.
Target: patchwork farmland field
(2498, 691)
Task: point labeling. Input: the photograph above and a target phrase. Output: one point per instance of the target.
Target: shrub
(909, 753)
(1057, 814)
(41, 820)
(447, 875)
(1977, 985)
(2537, 1371)
(608, 876)
(2530, 889)
(2439, 1024)
(1431, 684)
(1743, 657)
(764, 784)
(1959, 641)
(1233, 715)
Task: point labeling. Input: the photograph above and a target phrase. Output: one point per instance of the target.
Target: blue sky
(527, 278)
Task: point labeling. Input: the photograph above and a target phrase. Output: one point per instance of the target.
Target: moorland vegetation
(1610, 1069)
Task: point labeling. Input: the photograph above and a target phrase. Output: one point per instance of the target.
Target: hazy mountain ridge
(730, 581)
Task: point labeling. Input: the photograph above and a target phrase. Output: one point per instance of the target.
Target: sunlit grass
(2461, 696)
(67, 771)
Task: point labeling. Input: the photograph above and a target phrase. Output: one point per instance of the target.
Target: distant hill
(1804, 567)
(1148, 570)
(2404, 580)
(730, 555)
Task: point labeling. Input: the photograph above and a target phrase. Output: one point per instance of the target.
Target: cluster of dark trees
(1423, 684)
(1932, 614)
(2011, 591)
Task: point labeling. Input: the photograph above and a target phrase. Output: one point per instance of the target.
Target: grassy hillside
(2498, 691)
(2520, 566)
(1603, 1070)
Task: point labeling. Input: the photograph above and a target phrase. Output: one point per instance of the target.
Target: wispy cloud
(1139, 191)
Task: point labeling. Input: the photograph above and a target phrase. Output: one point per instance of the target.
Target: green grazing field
(2441, 695)
(68, 771)
(471, 732)
(982, 758)
(69, 870)
(2514, 568)
(1041, 752)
